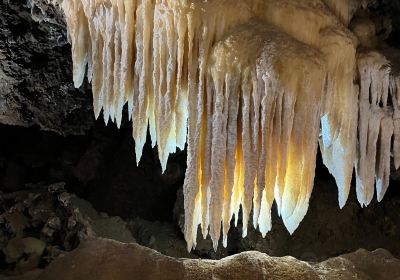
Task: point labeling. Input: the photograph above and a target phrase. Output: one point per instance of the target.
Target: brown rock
(362, 264)
(30, 275)
(35, 72)
(29, 247)
(103, 259)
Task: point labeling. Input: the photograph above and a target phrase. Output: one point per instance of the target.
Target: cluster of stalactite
(250, 86)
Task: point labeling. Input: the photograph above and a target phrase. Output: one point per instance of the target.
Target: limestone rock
(38, 226)
(118, 261)
(30, 275)
(25, 252)
(35, 75)
(362, 264)
(98, 225)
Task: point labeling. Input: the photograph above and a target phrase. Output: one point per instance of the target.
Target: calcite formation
(245, 84)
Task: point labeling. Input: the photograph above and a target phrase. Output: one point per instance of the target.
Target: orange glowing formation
(252, 87)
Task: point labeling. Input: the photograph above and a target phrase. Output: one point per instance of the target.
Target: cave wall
(35, 71)
(36, 91)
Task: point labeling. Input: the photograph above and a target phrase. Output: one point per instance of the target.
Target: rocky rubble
(37, 226)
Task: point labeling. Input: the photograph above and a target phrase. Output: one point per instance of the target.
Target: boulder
(103, 259)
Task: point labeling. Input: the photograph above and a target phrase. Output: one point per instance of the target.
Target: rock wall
(35, 71)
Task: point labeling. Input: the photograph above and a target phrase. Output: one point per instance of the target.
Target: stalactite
(395, 93)
(254, 77)
(246, 89)
(375, 127)
(312, 23)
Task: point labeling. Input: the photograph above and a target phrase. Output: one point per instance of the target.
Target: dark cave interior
(54, 151)
(100, 167)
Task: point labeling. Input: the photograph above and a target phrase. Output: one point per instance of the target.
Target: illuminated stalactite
(375, 127)
(246, 85)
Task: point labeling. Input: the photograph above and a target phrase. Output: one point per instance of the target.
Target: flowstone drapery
(246, 85)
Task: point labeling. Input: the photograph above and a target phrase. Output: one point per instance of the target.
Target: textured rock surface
(30, 275)
(35, 71)
(38, 226)
(104, 259)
